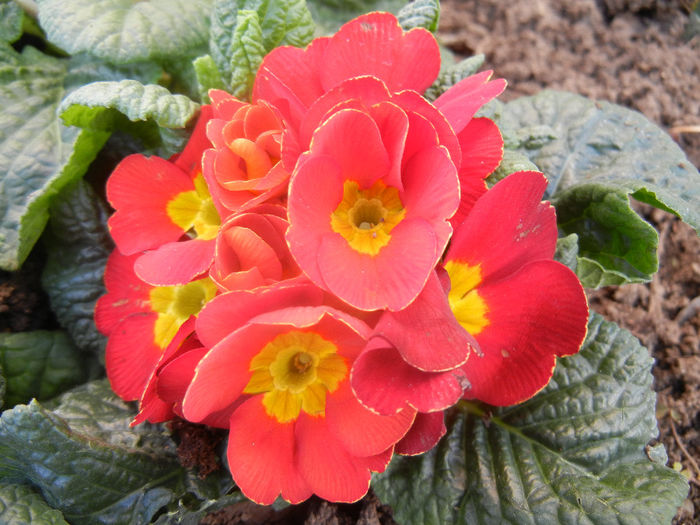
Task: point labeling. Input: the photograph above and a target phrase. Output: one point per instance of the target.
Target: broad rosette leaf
(122, 31)
(20, 504)
(38, 155)
(86, 443)
(596, 154)
(572, 454)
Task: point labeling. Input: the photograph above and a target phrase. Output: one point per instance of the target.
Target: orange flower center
(466, 304)
(295, 371)
(366, 217)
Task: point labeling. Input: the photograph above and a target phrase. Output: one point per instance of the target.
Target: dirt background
(631, 52)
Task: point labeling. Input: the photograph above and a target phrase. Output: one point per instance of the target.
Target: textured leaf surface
(595, 154)
(10, 21)
(19, 504)
(138, 102)
(122, 31)
(420, 13)
(572, 454)
(39, 364)
(38, 155)
(329, 15)
(247, 53)
(78, 244)
(76, 456)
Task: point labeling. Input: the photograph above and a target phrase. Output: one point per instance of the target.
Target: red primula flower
(165, 206)
(243, 168)
(518, 306)
(141, 321)
(251, 250)
(295, 427)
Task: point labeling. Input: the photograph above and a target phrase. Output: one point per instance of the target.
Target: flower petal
(425, 433)
(384, 382)
(375, 44)
(176, 262)
(262, 455)
(362, 432)
(507, 227)
(535, 314)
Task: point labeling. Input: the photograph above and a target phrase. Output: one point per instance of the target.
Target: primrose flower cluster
(323, 272)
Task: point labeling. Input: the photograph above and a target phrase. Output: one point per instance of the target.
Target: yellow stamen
(195, 210)
(366, 217)
(295, 371)
(468, 306)
(175, 304)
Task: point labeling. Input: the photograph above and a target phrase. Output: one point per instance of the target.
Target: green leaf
(512, 161)
(567, 251)
(186, 516)
(78, 244)
(420, 13)
(3, 387)
(572, 454)
(38, 155)
(449, 76)
(329, 15)
(122, 31)
(19, 505)
(208, 76)
(10, 21)
(78, 458)
(97, 105)
(595, 154)
(39, 364)
(247, 53)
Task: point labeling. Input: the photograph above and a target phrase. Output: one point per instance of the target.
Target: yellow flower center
(295, 371)
(466, 304)
(195, 210)
(366, 217)
(175, 304)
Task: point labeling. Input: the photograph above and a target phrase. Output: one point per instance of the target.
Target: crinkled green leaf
(574, 453)
(78, 244)
(329, 15)
(452, 74)
(96, 103)
(281, 23)
(38, 155)
(10, 21)
(420, 13)
(595, 154)
(247, 53)
(187, 516)
(2, 387)
(567, 251)
(20, 505)
(511, 162)
(122, 31)
(77, 458)
(208, 76)
(85, 69)
(39, 364)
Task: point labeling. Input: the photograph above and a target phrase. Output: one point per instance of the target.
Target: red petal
(425, 433)
(507, 227)
(461, 101)
(262, 456)
(535, 314)
(132, 355)
(139, 189)
(391, 279)
(175, 376)
(426, 333)
(362, 432)
(384, 382)
(330, 471)
(228, 312)
(363, 161)
(375, 44)
(175, 263)
(190, 160)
